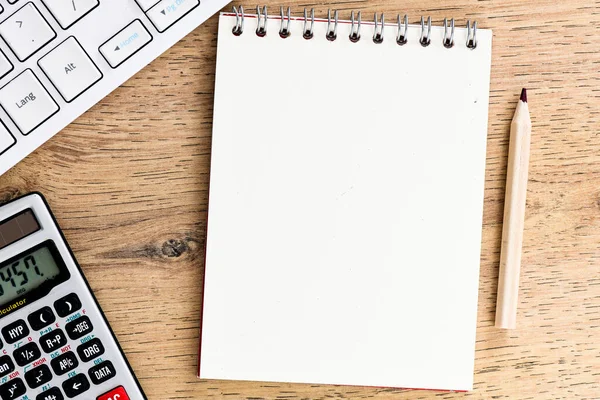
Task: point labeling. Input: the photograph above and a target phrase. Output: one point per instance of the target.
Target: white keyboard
(60, 57)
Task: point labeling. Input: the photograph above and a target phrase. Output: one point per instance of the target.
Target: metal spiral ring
(261, 23)
(238, 29)
(401, 38)
(425, 37)
(354, 34)
(471, 36)
(448, 41)
(308, 33)
(331, 34)
(284, 29)
(378, 30)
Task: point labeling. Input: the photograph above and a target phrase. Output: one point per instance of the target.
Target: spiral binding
(355, 35)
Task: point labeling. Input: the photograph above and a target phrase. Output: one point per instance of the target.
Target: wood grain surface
(128, 182)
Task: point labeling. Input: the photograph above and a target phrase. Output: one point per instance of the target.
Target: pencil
(514, 216)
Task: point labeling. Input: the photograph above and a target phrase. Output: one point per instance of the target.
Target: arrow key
(41, 318)
(76, 385)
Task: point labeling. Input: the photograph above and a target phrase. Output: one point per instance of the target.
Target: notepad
(346, 200)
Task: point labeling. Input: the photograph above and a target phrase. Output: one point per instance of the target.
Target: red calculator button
(117, 393)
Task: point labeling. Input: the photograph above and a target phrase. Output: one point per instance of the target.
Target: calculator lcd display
(28, 272)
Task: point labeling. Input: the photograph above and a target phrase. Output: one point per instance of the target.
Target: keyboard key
(76, 385)
(16, 331)
(64, 363)
(117, 393)
(26, 354)
(41, 318)
(69, 12)
(27, 102)
(26, 31)
(166, 12)
(90, 350)
(7, 140)
(13, 389)
(53, 341)
(51, 394)
(125, 43)
(145, 5)
(6, 366)
(5, 65)
(102, 372)
(79, 327)
(38, 376)
(67, 305)
(70, 69)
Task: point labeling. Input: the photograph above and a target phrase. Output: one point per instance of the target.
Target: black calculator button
(12, 389)
(41, 318)
(67, 305)
(53, 340)
(15, 331)
(90, 350)
(51, 394)
(26, 354)
(79, 327)
(64, 363)
(38, 376)
(75, 385)
(102, 372)
(6, 366)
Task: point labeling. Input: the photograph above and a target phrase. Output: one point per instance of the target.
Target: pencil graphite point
(524, 95)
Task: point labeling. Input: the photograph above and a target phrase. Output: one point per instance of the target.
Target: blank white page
(345, 211)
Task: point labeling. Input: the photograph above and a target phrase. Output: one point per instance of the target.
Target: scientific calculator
(55, 341)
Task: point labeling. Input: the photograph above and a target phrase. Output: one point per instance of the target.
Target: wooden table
(128, 182)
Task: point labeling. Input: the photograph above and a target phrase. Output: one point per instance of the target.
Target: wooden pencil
(514, 216)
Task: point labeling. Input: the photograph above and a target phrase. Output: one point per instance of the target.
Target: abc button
(117, 393)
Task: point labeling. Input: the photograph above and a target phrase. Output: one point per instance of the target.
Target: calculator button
(79, 327)
(5, 65)
(125, 43)
(64, 363)
(26, 354)
(38, 376)
(26, 31)
(51, 394)
(6, 366)
(67, 305)
(53, 341)
(75, 385)
(70, 69)
(90, 350)
(12, 389)
(69, 12)
(27, 102)
(41, 318)
(14, 332)
(102, 372)
(166, 12)
(117, 393)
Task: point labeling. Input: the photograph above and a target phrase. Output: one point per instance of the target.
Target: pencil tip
(524, 95)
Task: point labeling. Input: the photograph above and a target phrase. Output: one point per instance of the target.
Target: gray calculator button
(14, 332)
(6, 366)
